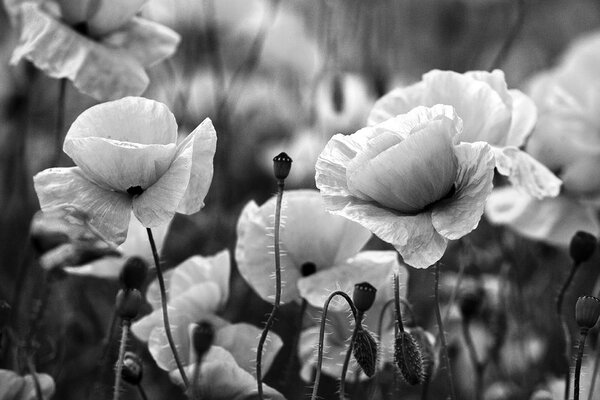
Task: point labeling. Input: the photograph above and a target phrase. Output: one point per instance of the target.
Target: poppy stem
(60, 121)
(357, 326)
(582, 338)
(36, 382)
(119, 366)
(565, 328)
(442, 336)
(397, 312)
(322, 336)
(195, 392)
(272, 315)
(163, 301)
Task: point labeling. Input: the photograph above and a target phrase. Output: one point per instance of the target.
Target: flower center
(134, 191)
(308, 268)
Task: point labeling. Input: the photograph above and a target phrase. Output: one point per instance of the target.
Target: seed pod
(202, 338)
(409, 359)
(582, 246)
(282, 163)
(132, 371)
(365, 351)
(587, 311)
(133, 274)
(128, 303)
(363, 296)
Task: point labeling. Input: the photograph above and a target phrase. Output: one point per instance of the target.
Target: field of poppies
(293, 199)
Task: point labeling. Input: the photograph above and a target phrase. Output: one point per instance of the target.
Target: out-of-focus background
(285, 76)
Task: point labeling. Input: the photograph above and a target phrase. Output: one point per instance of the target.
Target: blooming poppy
(127, 158)
(409, 181)
(15, 387)
(105, 57)
(490, 112)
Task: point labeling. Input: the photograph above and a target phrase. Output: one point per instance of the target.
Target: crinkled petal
(240, 340)
(375, 267)
(553, 220)
(455, 217)
(412, 235)
(524, 118)
(111, 15)
(220, 378)
(103, 72)
(398, 101)
(109, 211)
(526, 173)
(147, 41)
(496, 80)
(204, 142)
(158, 204)
(197, 269)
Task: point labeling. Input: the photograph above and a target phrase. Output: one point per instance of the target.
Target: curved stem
(36, 381)
(195, 392)
(511, 37)
(565, 328)
(578, 363)
(397, 311)
(357, 326)
(441, 331)
(163, 301)
(119, 366)
(477, 365)
(322, 337)
(271, 319)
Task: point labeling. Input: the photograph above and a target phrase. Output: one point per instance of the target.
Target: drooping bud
(582, 247)
(470, 302)
(308, 268)
(282, 163)
(132, 371)
(128, 303)
(426, 342)
(133, 274)
(365, 351)
(409, 360)
(363, 296)
(202, 338)
(587, 312)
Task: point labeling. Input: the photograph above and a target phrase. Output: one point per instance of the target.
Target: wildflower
(126, 159)
(198, 289)
(409, 181)
(15, 387)
(101, 46)
(491, 113)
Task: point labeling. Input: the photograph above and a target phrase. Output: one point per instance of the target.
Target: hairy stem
(582, 338)
(565, 328)
(357, 326)
(442, 336)
(119, 366)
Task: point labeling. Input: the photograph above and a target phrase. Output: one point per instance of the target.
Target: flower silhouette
(101, 46)
(126, 159)
(409, 181)
(490, 112)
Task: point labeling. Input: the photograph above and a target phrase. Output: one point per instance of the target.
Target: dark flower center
(308, 268)
(135, 191)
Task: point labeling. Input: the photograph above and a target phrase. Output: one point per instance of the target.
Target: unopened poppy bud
(128, 303)
(365, 351)
(582, 246)
(282, 163)
(133, 274)
(202, 338)
(132, 371)
(470, 301)
(426, 342)
(587, 311)
(408, 357)
(363, 296)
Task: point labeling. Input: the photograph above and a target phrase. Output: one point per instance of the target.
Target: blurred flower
(490, 112)
(409, 181)
(127, 159)
(15, 387)
(567, 141)
(136, 244)
(100, 46)
(197, 290)
(318, 249)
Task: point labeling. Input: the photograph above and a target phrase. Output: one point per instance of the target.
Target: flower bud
(582, 246)
(408, 357)
(202, 338)
(132, 371)
(365, 351)
(587, 311)
(128, 303)
(282, 163)
(426, 342)
(133, 274)
(363, 296)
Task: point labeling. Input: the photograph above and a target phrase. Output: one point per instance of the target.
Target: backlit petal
(524, 118)
(398, 101)
(109, 211)
(204, 141)
(112, 14)
(455, 217)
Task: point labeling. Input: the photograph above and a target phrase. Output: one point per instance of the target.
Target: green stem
(119, 367)
(357, 326)
(582, 338)
(163, 301)
(565, 328)
(441, 331)
(397, 312)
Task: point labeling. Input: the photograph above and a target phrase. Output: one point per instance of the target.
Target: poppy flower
(490, 112)
(316, 246)
(409, 180)
(197, 290)
(127, 158)
(101, 46)
(15, 387)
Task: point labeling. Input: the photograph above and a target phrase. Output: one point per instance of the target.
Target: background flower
(127, 159)
(15, 387)
(409, 181)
